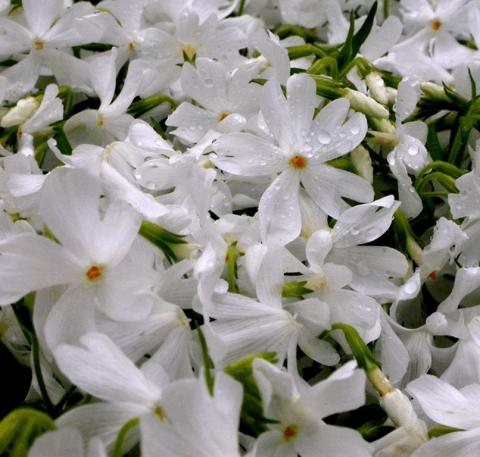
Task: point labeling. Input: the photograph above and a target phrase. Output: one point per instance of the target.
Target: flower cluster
(239, 228)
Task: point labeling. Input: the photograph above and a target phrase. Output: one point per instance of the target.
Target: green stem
(206, 360)
(445, 180)
(295, 52)
(143, 106)
(241, 7)
(232, 255)
(122, 434)
(38, 372)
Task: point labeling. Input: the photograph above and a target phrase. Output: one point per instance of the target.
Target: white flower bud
(377, 87)
(21, 112)
(412, 431)
(434, 91)
(363, 163)
(365, 104)
(399, 408)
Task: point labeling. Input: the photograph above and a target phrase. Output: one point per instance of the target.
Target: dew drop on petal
(412, 150)
(355, 130)
(324, 137)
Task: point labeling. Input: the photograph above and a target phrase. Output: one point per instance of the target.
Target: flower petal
(101, 369)
(41, 15)
(279, 210)
(244, 154)
(69, 206)
(443, 403)
(30, 262)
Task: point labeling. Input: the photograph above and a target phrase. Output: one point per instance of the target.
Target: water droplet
(355, 130)
(324, 137)
(355, 230)
(208, 82)
(412, 150)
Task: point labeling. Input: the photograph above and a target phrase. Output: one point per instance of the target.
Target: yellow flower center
(159, 412)
(38, 44)
(189, 50)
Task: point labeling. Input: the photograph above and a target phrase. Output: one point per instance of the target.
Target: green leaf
(252, 420)
(354, 42)
(67, 96)
(433, 144)
(40, 153)
(62, 141)
(20, 428)
(440, 430)
(473, 84)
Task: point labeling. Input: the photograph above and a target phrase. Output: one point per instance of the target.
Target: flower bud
(363, 163)
(365, 104)
(377, 87)
(21, 112)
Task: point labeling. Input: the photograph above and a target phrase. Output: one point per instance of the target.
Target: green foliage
(19, 430)
(252, 420)
(162, 238)
(360, 350)
(354, 41)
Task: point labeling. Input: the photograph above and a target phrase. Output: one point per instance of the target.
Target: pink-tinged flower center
(290, 432)
(436, 25)
(298, 161)
(94, 273)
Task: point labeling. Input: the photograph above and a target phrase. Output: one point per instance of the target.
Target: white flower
(103, 371)
(297, 148)
(93, 255)
(198, 423)
(299, 413)
(227, 100)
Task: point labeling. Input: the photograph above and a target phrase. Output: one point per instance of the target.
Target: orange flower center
(436, 25)
(94, 273)
(290, 432)
(433, 275)
(299, 162)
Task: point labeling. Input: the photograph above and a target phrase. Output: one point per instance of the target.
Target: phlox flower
(299, 411)
(294, 151)
(92, 256)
